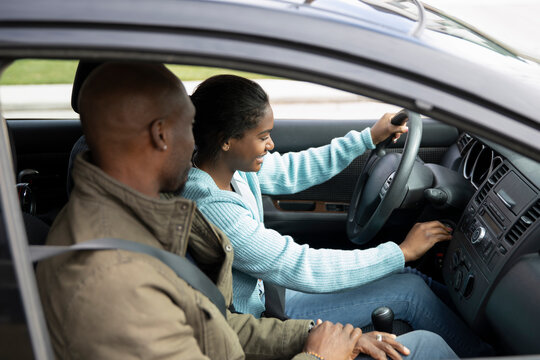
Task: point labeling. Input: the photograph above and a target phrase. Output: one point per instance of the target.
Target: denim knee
(426, 345)
(429, 338)
(416, 285)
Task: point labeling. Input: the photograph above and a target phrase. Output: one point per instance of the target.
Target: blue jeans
(406, 293)
(424, 345)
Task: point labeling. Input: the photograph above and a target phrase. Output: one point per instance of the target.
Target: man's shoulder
(88, 273)
(82, 286)
(84, 219)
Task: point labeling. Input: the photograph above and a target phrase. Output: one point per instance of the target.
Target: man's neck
(137, 180)
(124, 169)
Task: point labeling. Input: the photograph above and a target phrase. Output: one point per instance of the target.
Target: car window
(41, 89)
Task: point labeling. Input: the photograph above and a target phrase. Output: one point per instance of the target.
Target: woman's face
(246, 153)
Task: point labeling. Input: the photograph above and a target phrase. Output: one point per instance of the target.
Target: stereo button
(488, 246)
(455, 260)
(469, 286)
(496, 211)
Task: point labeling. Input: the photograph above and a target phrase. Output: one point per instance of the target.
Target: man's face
(180, 144)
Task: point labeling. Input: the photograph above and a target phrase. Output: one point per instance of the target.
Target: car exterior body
(394, 51)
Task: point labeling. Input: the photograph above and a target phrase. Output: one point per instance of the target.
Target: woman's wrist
(404, 250)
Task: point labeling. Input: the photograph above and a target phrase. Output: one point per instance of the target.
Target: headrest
(83, 70)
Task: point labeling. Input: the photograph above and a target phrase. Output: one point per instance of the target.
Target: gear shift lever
(382, 319)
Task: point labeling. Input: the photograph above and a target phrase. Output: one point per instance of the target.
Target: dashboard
(479, 160)
(499, 227)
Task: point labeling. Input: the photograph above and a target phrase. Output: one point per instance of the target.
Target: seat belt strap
(185, 270)
(274, 301)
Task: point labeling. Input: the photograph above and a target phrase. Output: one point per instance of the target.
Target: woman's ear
(157, 133)
(226, 146)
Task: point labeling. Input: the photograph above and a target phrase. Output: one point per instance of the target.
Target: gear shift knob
(382, 319)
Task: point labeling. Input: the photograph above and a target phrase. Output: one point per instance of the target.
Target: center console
(499, 225)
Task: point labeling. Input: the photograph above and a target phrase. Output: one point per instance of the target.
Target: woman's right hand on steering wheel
(422, 237)
(383, 128)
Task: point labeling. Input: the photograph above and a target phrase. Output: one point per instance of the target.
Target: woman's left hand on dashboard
(422, 237)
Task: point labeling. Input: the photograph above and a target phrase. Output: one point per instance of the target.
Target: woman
(233, 166)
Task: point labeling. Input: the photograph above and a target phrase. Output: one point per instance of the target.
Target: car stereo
(499, 225)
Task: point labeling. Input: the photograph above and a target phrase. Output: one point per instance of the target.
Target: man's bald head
(135, 117)
(119, 100)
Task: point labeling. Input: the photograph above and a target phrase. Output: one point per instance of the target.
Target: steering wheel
(381, 188)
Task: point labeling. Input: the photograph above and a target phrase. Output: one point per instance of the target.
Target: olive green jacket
(115, 304)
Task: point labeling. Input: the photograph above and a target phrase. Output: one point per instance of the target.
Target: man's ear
(157, 133)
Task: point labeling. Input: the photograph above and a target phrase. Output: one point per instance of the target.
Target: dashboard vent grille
(498, 174)
(523, 223)
(492, 180)
(462, 142)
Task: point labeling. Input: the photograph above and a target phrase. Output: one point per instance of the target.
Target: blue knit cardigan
(266, 254)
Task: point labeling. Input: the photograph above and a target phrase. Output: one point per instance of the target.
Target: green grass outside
(25, 72)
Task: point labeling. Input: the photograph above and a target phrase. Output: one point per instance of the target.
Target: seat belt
(185, 270)
(274, 301)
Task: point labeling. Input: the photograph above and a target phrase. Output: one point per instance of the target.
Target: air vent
(463, 141)
(483, 193)
(498, 174)
(492, 180)
(523, 223)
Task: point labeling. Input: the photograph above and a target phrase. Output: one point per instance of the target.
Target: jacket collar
(169, 220)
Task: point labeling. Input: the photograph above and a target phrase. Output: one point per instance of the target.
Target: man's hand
(333, 341)
(422, 237)
(383, 129)
(379, 350)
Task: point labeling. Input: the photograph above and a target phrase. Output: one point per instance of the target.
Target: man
(137, 120)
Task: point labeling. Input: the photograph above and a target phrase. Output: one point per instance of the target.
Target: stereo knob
(478, 235)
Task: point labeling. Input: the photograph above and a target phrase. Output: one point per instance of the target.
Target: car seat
(36, 229)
